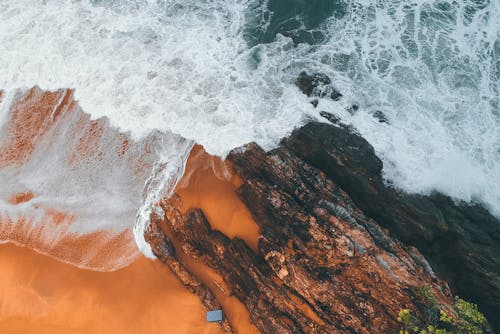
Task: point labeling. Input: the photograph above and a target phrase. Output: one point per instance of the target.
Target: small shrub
(405, 317)
(466, 319)
(470, 320)
(426, 295)
(444, 318)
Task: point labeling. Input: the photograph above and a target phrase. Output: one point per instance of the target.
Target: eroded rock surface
(461, 241)
(163, 248)
(322, 265)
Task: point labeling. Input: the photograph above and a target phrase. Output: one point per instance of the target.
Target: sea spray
(166, 172)
(71, 186)
(221, 74)
(175, 66)
(433, 69)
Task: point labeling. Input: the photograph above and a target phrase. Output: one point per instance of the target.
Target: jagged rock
(317, 84)
(461, 241)
(322, 266)
(164, 250)
(330, 117)
(324, 263)
(353, 109)
(382, 118)
(308, 83)
(334, 94)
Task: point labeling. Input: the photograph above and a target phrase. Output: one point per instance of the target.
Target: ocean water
(221, 74)
(72, 187)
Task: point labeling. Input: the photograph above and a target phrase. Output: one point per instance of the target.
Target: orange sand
(41, 295)
(92, 250)
(233, 309)
(208, 184)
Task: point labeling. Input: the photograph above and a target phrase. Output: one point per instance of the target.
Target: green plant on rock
(410, 324)
(444, 318)
(470, 320)
(426, 295)
(433, 330)
(466, 319)
(405, 317)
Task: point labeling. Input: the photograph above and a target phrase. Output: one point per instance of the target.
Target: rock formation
(322, 265)
(461, 241)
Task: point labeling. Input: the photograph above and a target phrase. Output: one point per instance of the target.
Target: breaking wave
(221, 74)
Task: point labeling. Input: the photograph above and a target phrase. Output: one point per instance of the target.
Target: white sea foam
(166, 172)
(178, 66)
(86, 181)
(175, 66)
(184, 67)
(433, 68)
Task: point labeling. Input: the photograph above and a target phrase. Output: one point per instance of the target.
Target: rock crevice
(322, 265)
(461, 241)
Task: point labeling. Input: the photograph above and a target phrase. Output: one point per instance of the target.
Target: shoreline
(459, 241)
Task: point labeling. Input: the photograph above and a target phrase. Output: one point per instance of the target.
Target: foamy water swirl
(186, 71)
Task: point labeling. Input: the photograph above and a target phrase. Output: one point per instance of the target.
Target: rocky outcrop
(461, 241)
(317, 85)
(322, 265)
(164, 249)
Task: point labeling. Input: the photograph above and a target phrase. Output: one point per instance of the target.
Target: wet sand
(41, 295)
(208, 184)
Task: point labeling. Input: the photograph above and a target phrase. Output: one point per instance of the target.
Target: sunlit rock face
(208, 182)
(71, 186)
(461, 240)
(320, 265)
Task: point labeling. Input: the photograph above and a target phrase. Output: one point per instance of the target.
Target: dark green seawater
(222, 73)
(432, 68)
(300, 20)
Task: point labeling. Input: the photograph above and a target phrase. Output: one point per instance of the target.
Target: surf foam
(71, 186)
(185, 67)
(178, 66)
(433, 69)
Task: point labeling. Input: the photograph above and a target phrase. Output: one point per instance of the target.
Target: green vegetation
(470, 320)
(426, 295)
(465, 319)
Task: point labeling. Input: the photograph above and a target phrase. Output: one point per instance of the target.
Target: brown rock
(460, 240)
(322, 266)
(163, 248)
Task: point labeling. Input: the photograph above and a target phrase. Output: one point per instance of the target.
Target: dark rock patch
(330, 117)
(382, 118)
(353, 109)
(317, 84)
(462, 241)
